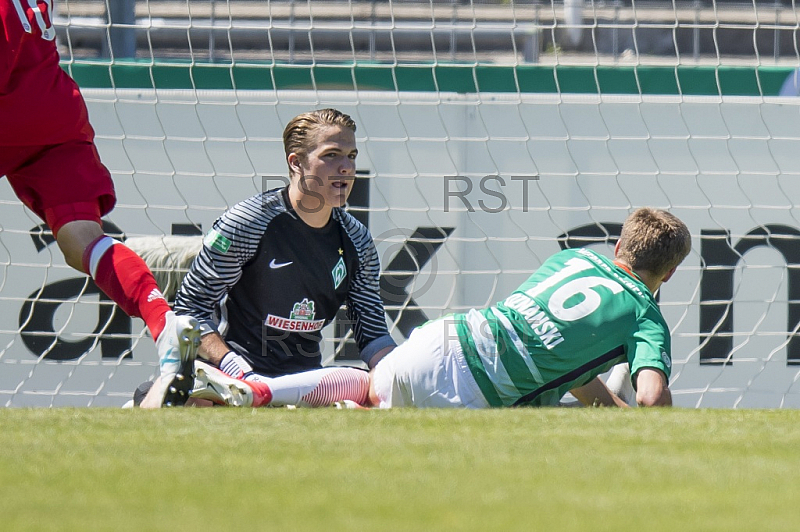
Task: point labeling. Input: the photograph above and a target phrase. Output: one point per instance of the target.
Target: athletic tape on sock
(99, 249)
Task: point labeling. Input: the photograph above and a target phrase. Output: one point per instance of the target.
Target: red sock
(125, 278)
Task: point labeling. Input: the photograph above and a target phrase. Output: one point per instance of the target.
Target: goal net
(491, 135)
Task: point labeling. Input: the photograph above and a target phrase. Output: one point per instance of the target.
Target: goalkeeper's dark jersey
(269, 283)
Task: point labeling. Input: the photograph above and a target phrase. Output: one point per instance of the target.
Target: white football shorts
(428, 371)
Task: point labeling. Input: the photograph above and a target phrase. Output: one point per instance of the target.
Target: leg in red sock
(125, 278)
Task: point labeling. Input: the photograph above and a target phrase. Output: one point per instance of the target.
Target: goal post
(476, 162)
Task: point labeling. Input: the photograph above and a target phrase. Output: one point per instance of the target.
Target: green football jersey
(576, 317)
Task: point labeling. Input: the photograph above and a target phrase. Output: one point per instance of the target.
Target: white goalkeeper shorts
(428, 371)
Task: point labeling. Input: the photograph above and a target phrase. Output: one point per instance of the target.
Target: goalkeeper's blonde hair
(299, 136)
(654, 241)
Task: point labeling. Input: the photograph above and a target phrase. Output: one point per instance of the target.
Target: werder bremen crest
(303, 310)
(339, 272)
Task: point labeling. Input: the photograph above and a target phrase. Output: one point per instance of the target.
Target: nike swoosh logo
(275, 265)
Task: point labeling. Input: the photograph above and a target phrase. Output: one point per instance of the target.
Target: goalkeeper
(276, 268)
(575, 318)
(47, 152)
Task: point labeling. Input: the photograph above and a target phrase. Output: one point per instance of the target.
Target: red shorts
(61, 183)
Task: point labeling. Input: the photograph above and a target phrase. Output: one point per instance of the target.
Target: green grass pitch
(523, 469)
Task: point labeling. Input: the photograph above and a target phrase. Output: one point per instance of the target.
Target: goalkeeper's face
(327, 172)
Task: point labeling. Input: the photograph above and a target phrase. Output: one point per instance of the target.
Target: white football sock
(318, 387)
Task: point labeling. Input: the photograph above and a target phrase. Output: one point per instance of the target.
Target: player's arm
(197, 297)
(213, 348)
(210, 277)
(652, 388)
(364, 304)
(232, 242)
(596, 393)
(650, 360)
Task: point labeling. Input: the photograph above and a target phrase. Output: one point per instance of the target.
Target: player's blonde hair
(654, 241)
(299, 135)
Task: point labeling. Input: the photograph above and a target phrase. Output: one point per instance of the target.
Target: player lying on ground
(47, 152)
(576, 317)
